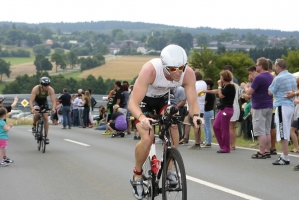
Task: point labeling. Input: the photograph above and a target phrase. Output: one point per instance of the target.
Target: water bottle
(155, 164)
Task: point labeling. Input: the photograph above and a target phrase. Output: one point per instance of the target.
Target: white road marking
(80, 143)
(218, 187)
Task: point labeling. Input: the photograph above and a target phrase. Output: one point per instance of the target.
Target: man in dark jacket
(65, 100)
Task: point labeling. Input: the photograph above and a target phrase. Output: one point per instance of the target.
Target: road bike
(171, 162)
(40, 133)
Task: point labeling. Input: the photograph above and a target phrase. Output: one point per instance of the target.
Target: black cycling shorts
(152, 105)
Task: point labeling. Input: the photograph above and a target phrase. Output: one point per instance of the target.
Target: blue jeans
(101, 127)
(207, 127)
(66, 116)
(76, 117)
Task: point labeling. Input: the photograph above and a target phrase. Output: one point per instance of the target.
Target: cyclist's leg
(35, 118)
(142, 148)
(46, 123)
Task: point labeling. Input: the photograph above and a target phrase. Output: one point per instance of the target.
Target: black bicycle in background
(40, 133)
(171, 163)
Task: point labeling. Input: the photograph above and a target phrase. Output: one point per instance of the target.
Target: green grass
(73, 75)
(16, 60)
(2, 86)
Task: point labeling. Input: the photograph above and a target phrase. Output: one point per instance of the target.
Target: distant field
(16, 61)
(120, 68)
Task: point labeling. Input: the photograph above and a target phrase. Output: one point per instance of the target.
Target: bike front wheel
(174, 183)
(38, 136)
(44, 138)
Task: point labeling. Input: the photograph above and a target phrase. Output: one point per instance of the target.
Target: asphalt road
(84, 164)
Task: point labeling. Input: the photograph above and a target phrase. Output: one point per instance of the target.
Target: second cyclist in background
(38, 98)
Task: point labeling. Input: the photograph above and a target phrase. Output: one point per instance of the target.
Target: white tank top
(161, 85)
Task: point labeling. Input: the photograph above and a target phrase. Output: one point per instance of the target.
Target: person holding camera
(226, 92)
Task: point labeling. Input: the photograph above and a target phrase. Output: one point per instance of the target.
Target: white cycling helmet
(173, 56)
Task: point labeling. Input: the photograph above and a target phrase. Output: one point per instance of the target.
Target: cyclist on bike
(38, 98)
(151, 93)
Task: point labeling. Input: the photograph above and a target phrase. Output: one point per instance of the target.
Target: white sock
(287, 158)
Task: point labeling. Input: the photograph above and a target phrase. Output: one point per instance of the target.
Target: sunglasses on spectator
(174, 69)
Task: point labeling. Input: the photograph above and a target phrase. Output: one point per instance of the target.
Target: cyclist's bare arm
(190, 90)
(32, 97)
(146, 77)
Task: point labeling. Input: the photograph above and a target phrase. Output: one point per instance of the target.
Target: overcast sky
(263, 14)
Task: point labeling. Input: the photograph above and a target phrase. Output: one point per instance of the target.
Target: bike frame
(156, 163)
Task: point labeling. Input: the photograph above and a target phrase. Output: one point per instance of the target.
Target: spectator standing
(8, 108)
(59, 111)
(119, 96)
(126, 96)
(282, 83)
(180, 99)
(234, 118)
(75, 107)
(200, 86)
(65, 100)
(295, 122)
(262, 105)
(93, 103)
(80, 111)
(273, 150)
(226, 92)
(87, 104)
(4, 128)
(110, 103)
(208, 114)
(230, 68)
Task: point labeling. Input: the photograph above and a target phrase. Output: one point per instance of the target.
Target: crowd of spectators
(257, 108)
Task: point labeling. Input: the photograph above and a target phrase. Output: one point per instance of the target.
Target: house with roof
(49, 42)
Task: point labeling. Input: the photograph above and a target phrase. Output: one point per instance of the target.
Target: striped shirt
(283, 83)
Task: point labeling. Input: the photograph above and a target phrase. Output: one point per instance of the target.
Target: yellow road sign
(24, 102)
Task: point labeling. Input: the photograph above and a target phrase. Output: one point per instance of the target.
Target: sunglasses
(174, 69)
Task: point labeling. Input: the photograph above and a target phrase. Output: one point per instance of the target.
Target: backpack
(120, 123)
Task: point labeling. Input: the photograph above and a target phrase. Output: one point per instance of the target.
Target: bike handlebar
(170, 116)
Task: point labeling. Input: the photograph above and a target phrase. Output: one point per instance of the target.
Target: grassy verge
(17, 60)
(74, 75)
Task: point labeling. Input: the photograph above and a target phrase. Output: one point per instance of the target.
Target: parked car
(19, 115)
(14, 112)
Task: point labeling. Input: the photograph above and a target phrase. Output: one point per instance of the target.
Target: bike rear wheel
(147, 180)
(174, 163)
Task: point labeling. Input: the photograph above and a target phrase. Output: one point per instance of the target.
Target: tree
(59, 50)
(202, 39)
(292, 60)
(205, 60)
(57, 58)
(239, 61)
(16, 35)
(38, 62)
(185, 40)
(33, 39)
(42, 63)
(121, 36)
(116, 31)
(41, 49)
(4, 68)
(46, 33)
(72, 57)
